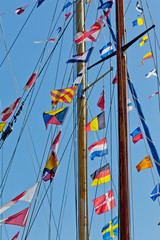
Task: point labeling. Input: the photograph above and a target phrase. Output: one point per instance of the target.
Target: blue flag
(110, 230)
(156, 192)
(106, 50)
(39, 3)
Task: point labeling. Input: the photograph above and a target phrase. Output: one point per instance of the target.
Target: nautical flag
(115, 80)
(137, 22)
(151, 73)
(138, 8)
(136, 135)
(59, 29)
(154, 94)
(110, 230)
(26, 196)
(50, 167)
(98, 149)
(21, 9)
(68, 4)
(101, 175)
(129, 105)
(143, 40)
(18, 219)
(145, 163)
(62, 95)
(156, 192)
(87, 1)
(30, 82)
(49, 40)
(55, 117)
(147, 56)
(9, 110)
(67, 16)
(2, 125)
(91, 35)
(40, 2)
(101, 101)
(104, 203)
(97, 123)
(16, 236)
(82, 57)
(55, 143)
(106, 50)
(107, 4)
(78, 79)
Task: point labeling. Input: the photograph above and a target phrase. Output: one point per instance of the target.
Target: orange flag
(145, 163)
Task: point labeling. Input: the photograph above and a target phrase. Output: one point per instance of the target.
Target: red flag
(18, 219)
(67, 16)
(115, 80)
(9, 110)
(16, 236)
(55, 143)
(104, 203)
(21, 9)
(30, 81)
(101, 101)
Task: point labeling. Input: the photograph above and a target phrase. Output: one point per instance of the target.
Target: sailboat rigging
(50, 144)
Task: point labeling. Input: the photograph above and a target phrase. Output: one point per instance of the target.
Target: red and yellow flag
(145, 163)
(63, 95)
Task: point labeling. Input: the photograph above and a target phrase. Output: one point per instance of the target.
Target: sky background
(33, 148)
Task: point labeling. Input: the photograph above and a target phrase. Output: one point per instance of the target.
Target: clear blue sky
(32, 148)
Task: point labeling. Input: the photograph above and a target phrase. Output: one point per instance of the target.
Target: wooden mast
(124, 207)
(82, 144)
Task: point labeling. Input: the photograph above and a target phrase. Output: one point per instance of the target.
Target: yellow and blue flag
(143, 40)
(55, 117)
(110, 230)
(137, 22)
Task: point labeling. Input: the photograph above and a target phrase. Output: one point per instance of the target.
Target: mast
(124, 208)
(82, 144)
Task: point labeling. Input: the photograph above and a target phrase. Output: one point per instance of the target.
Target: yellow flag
(145, 163)
(2, 125)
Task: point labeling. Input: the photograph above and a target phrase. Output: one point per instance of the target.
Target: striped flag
(106, 50)
(101, 175)
(97, 123)
(104, 203)
(147, 56)
(138, 8)
(63, 95)
(136, 135)
(154, 94)
(98, 149)
(151, 73)
(82, 57)
(78, 79)
(9, 110)
(30, 82)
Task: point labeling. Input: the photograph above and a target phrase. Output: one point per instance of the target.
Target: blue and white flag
(156, 192)
(129, 105)
(83, 57)
(68, 4)
(107, 4)
(98, 149)
(138, 8)
(151, 73)
(78, 79)
(106, 50)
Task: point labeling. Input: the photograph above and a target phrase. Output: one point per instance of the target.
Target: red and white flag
(18, 219)
(104, 203)
(26, 196)
(55, 143)
(9, 110)
(101, 101)
(21, 9)
(30, 82)
(154, 94)
(16, 236)
(92, 35)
